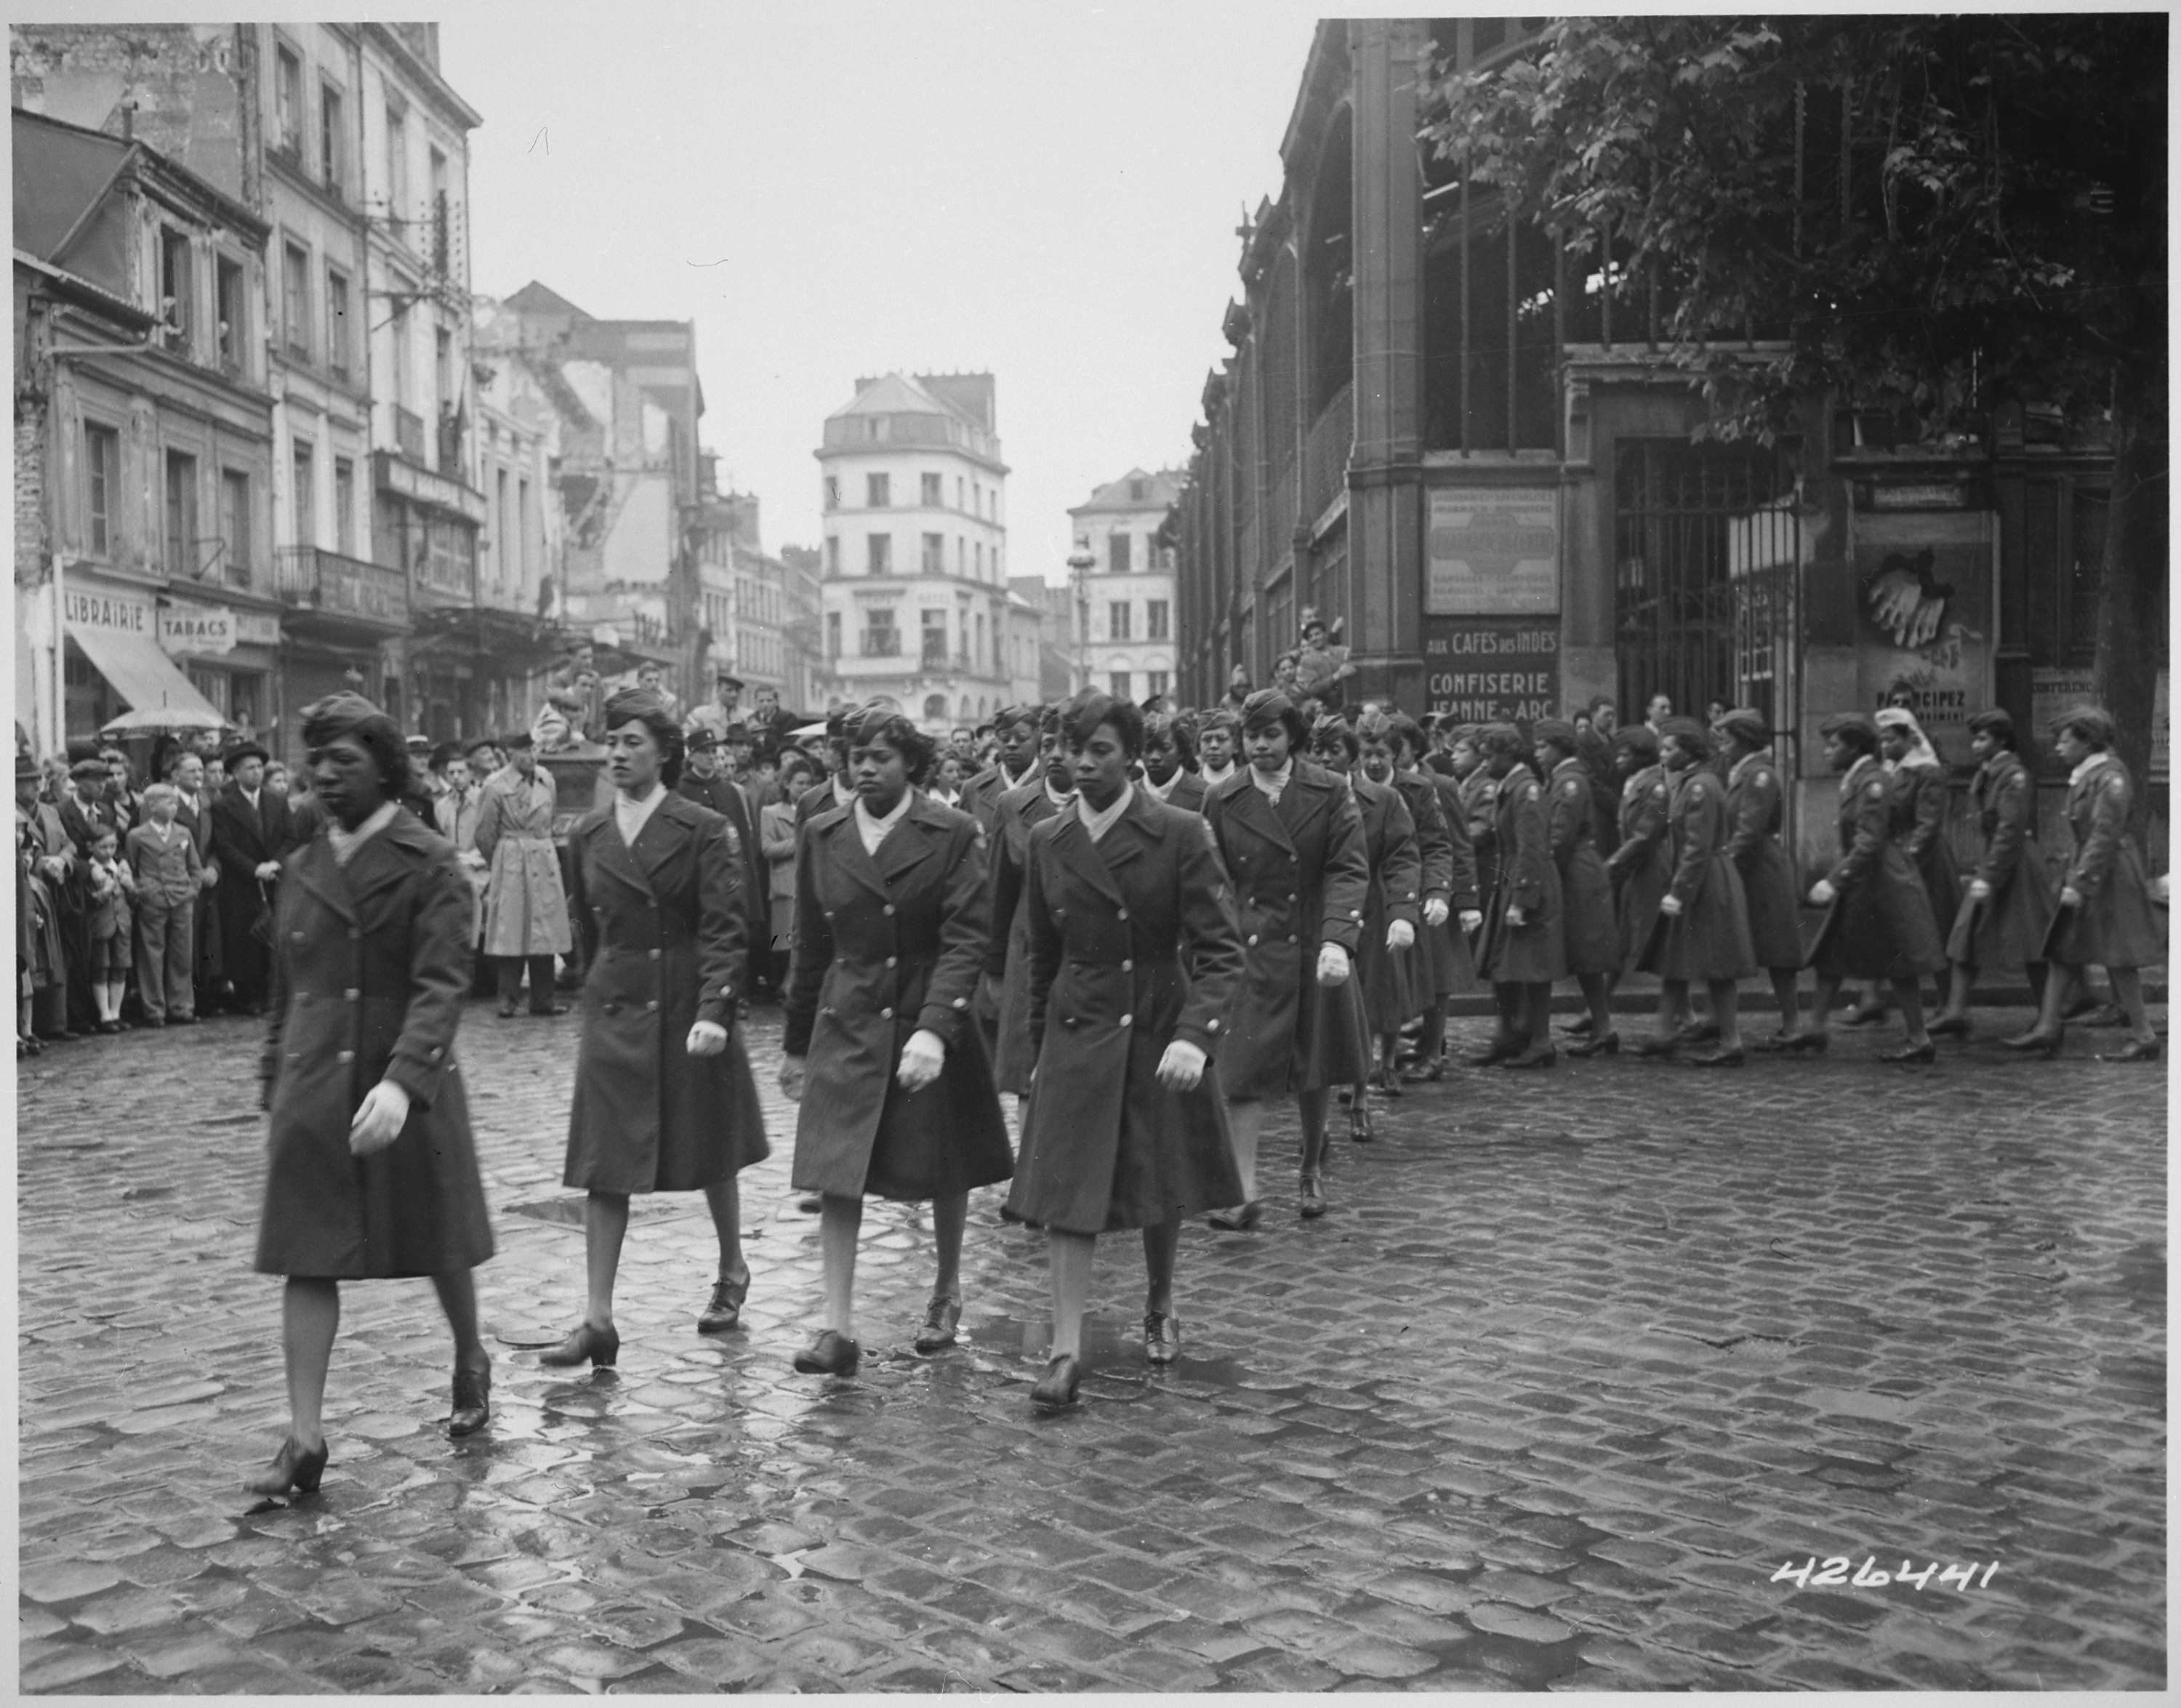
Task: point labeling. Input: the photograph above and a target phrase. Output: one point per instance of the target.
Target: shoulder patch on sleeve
(1658, 791)
(1571, 787)
(2115, 783)
(1875, 791)
(1530, 791)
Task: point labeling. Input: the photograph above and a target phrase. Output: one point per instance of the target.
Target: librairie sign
(1493, 553)
(197, 628)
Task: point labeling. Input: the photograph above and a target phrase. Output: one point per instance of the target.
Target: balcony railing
(409, 433)
(309, 578)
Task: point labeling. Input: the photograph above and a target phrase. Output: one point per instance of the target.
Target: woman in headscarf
(1134, 956)
(1524, 951)
(2105, 916)
(664, 1100)
(1291, 839)
(2008, 905)
(370, 1173)
(1921, 799)
(1703, 929)
(891, 916)
(1879, 922)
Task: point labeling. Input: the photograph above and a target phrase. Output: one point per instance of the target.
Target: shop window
(181, 508)
(101, 464)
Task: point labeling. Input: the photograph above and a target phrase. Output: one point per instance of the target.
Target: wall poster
(1926, 598)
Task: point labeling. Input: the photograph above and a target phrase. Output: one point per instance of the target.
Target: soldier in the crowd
(2105, 916)
(1702, 935)
(1016, 729)
(1006, 952)
(1218, 747)
(1592, 931)
(1387, 966)
(1523, 952)
(1921, 806)
(526, 911)
(1878, 923)
(1447, 871)
(1755, 810)
(2008, 907)
(1292, 842)
(1134, 956)
(1169, 757)
(1641, 868)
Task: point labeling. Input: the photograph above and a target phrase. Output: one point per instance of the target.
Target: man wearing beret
(251, 829)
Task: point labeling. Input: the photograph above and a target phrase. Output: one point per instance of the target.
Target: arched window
(935, 708)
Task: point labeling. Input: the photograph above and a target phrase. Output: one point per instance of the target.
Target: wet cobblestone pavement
(1578, 1360)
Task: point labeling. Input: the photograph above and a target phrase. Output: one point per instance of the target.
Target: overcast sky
(1047, 192)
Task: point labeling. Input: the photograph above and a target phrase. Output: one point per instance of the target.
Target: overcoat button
(1292, 938)
(345, 1055)
(1122, 914)
(1252, 943)
(885, 1014)
(893, 961)
(651, 1006)
(1127, 966)
(354, 935)
(351, 992)
(294, 937)
(1127, 1018)
(889, 910)
(653, 954)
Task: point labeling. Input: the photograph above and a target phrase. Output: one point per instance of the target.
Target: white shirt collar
(1163, 791)
(843, 794)
(1213, 779)
(166, 830)
(1271, 785)
(250, 796)
(2088, 766)
(1014, 779)
(874, 830)
(1054, 794)
(347, 842)
(630, 817)
(1099, 823)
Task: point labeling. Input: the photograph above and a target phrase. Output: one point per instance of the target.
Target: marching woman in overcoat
(1049, 792)
(2105, 916)
(1702, 931)
(1879, 922)
(1642, 867)
(1524, 951)
(664, 1099)
(2008, 907)
(1385, 948)
(1291, 840)
(370, 1171)
(1444, 967)
(1754, 813)
(892, 913)
(1134, 957)
(1593, 930)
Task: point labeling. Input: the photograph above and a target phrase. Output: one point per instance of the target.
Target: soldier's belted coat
(1879, 925)
(1389, 979)
(1133, 945)
(371, 963)
(1444, 967)
(886, 944)
(666, 936)
(1300, 877)
(2006, 929)
(1710, 937)
(1754, 810)
(1534, 952)
(1006, 956)
(1592, 931)
(2114, 925)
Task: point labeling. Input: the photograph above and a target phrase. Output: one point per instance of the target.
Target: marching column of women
(1143, 954)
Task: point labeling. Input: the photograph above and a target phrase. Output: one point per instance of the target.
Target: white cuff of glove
(1182, 1066)
(1472, 919)
(1332, 964)
(1979, 890)
(1821, 892)
(1670, 906)
(1401, 934)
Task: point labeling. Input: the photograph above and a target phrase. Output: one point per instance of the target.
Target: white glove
(1434, 912)
(921, 1058)
(707, 1038)
(1822, 892)
(2159, 888)
(1515, 917)
(1472, 919)
(1979, 890)
(791, 1078)
(2071, 897)
(1181, 1067)
(378, 1121)
(268, 870)
(475, 860)
(1670, 906)
(1332, 965)
(1401, 934)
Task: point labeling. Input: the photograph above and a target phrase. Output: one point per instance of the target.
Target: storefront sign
(422, 485)
(1493, 553)
(200, 629)
(2054, 693)
(1492, 671)
(85, 608)
(257, 628)
(1925, 618)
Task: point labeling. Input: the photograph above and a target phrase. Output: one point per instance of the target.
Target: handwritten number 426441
(1834, 1572)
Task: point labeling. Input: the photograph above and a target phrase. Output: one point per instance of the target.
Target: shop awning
(141, 672)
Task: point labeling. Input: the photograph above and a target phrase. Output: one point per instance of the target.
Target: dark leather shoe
(181, 1020)
(1698, 1032)
(1808, 1042)
(472, 1401)
(1362, 1126)
(831, 1354)
(2034, 1043)
(725, 1310)
(2108, 1015)
(1313, 1196)
(1582, 1027)
(1950, 1025)
(1056, 1387)
(808, 1204)
(507, 1011)
(1650, 1049)
(547, 1013)
(1863, 1014)
(1607, 1043)
(1162, 1338)
(110, 1029)
(293, 1472)
(1719, 1058)
(1425, 1073)
(1911, 1055)
(599, 1348)
(941, 1318)
(1536, 1055)
(2142, 1049)
(1239, 1219)
(1499, 1051)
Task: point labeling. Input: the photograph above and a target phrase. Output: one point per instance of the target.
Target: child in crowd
(109, 919)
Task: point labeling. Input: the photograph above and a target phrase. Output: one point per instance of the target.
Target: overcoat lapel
(664, 836)
(907, 843)
(849, 854)
(614, 857)
(1086, 858)
(1302, 801)
(320, 874)
(378, 863)
(1249, 804)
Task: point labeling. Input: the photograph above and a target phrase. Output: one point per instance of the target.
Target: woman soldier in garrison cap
(2008, 906)
(1524, 951)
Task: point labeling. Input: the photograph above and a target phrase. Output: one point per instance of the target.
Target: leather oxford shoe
(1162, 1337)
(831, 1354)
(472, 1408)
(597, 1347)
(1056, 1387)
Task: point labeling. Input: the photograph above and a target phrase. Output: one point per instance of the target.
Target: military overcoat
(1593, 932)
(1754, 815)
(1444, 967)
(1389, 980)
(1300, 877)
(2008, 929)
(1007, 954)
(1643, 866)
(371, 963)
(1920, 801)
(1534, 952)
(887, 944)
(1710, 937)
(1879, 924)
(1133, 945)
(665, 940)
(2114, 926)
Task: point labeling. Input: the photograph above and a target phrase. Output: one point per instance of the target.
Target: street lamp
(1080, 564)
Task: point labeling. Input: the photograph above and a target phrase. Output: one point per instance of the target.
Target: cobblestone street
(1578, 1360)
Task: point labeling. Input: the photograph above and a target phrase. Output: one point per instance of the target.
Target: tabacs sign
(1493, 554)
(196, 629)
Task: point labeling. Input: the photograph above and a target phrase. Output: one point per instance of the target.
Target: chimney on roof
(129, 120)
